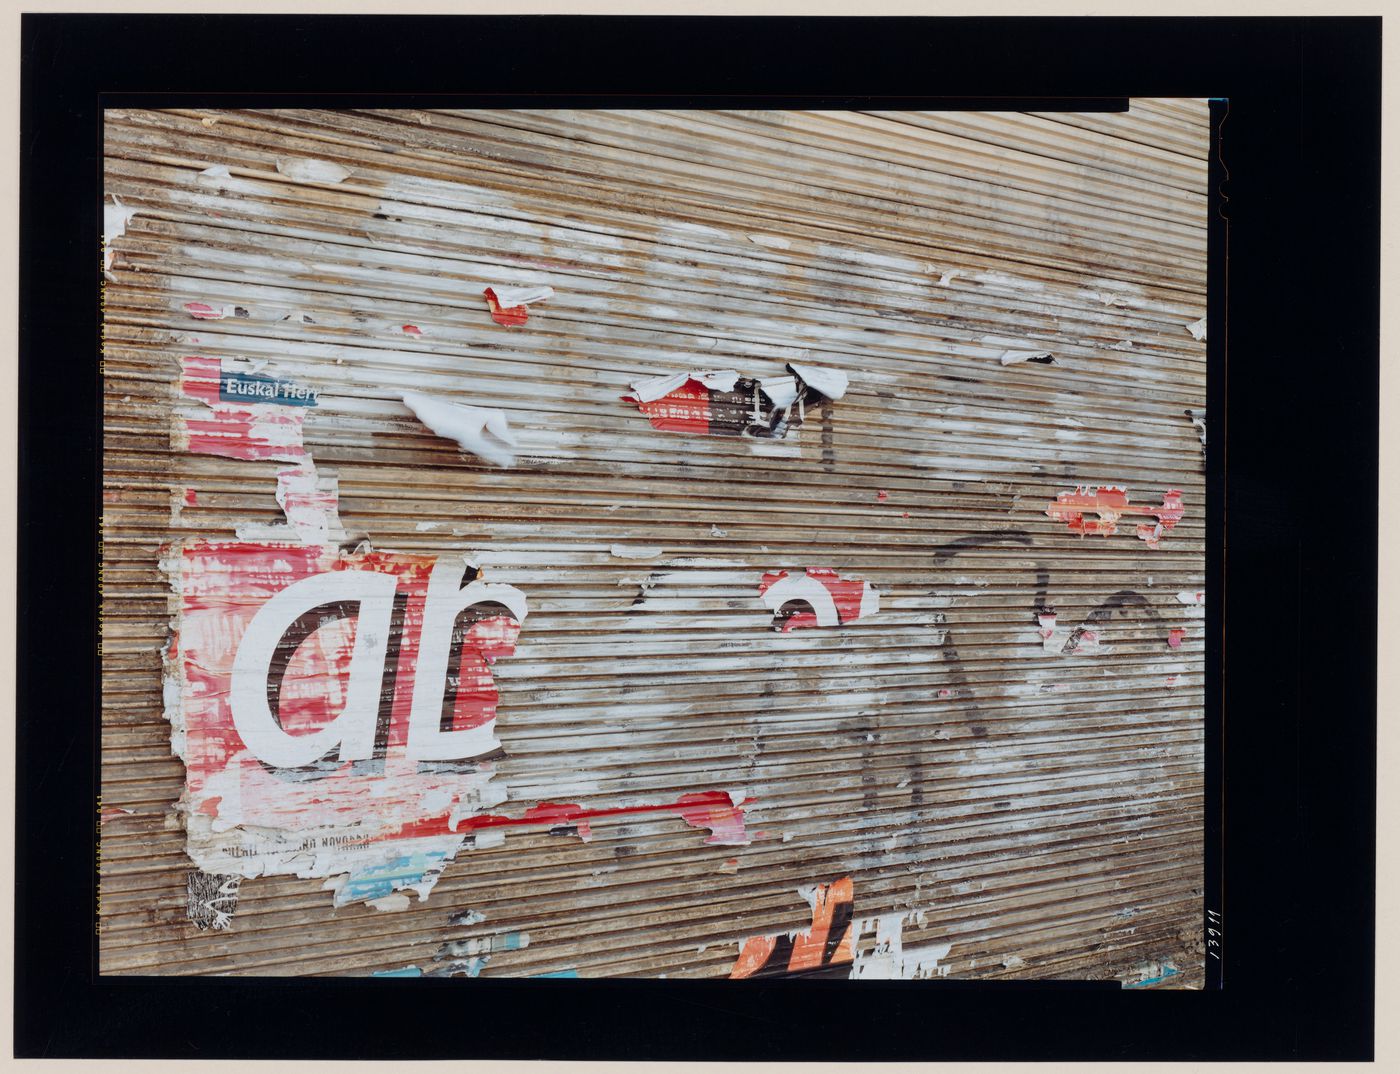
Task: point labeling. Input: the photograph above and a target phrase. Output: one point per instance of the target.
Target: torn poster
(719, 402)
(468, 425)
(510, 306)
(335, 712)
(1109, 503)
(817, 598)
(250, 429)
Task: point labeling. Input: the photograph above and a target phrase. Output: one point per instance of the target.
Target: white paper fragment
(652, 388)
(715, 531)
(1122, 345)
(1014, 962)
(510, 297)
(888, 961)
(114, 220)
(216, 171)
(1197, 329)
(948, 277)
(468, 425)
(1109, 298)
(831, 383)
(390, 903)
(1039, 357)
(306, 170)
(773, 241)
(625, 551)
(781, 390)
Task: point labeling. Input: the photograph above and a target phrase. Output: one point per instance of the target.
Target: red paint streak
(510, 316)
(882, 495)
(945, 693)
(1109, 503)
(1174, 638)
(203, 312)
(685, 410)
(412, 330)
(191, 499)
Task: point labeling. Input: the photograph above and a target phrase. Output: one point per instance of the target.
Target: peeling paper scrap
(311, 502)
(202, 311)
(1175, 637)
(307, 689)
(115, 217)
(889, 961)
(215, 171)
(1110, 502)
(411, 330)
(509, 306)
(831, 383)
(306, 170)
(1038, 357)
(1197, 329)
(468, 425)
(817, 598)
(714, 810)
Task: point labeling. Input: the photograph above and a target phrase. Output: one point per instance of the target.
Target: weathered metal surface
(992, 770)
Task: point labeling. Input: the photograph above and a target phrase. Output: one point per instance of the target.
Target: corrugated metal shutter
(1033, 803)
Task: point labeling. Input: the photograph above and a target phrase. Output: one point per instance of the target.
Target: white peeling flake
(468, 425)
(773, 241)
(649, 389)
(1197, 329)
(626, 551)
(832, 383)
(888, 961)
(115, 217)
(306, 170)
(510, 297)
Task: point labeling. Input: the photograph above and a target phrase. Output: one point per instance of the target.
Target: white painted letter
(354, 728)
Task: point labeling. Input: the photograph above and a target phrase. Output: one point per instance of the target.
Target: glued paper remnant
(1109, 503)
(335, 712)
(509, 306)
